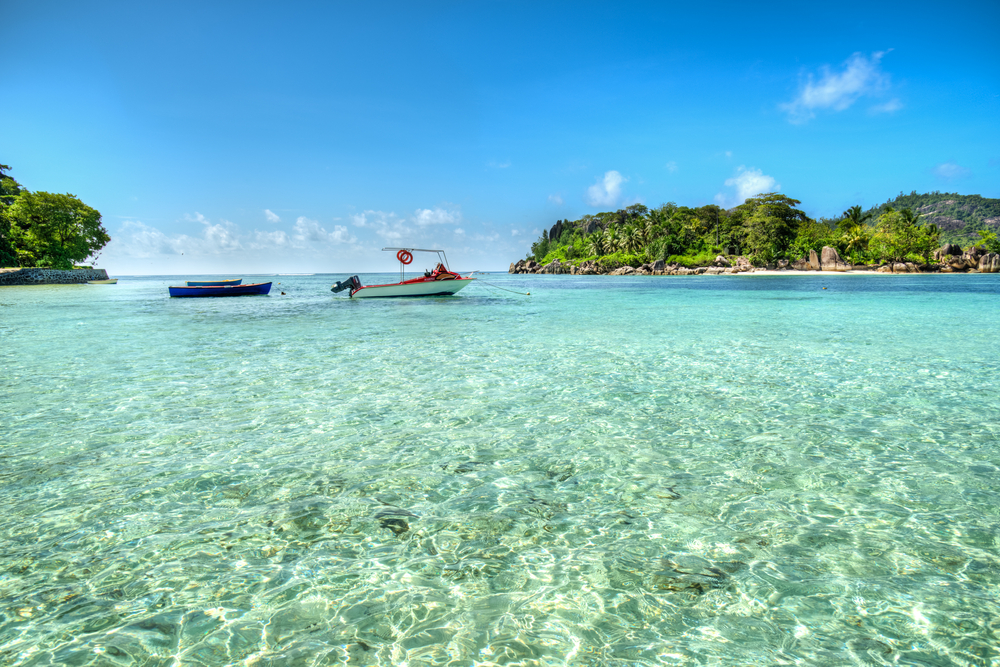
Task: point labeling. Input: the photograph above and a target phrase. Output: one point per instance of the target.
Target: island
(929, 233)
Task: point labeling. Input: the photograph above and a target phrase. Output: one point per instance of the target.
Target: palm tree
(632, 239)
(855, 242)
(595, 244)
(909, 216)
(853, 217)
(648, 228)
(611, 238)
(934, 234)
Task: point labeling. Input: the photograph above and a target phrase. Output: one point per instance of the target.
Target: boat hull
(234, 290)
(214, 283)
(109, 281)
(425, 288)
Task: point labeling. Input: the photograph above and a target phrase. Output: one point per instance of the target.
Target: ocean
(731, 470)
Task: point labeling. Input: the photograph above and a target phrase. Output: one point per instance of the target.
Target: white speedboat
(441, 281)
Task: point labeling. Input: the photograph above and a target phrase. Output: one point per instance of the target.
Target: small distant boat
(109, 281)
(442, 281)
(214, 283)
(225, 290)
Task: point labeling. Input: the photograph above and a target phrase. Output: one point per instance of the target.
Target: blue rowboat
(214, 283)
(234, 290)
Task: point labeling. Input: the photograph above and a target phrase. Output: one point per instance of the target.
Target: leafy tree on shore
(810, 235)
(897, 234)
(770, 224)
(54, 230)
(989, 240)
(9, 189)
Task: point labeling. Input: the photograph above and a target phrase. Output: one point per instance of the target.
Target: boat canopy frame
(442, 258)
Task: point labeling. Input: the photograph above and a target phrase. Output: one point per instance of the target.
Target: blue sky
(252, 137)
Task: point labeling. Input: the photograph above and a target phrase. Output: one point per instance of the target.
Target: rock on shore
(19, 276)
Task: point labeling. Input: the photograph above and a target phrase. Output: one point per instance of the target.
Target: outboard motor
(351, 283)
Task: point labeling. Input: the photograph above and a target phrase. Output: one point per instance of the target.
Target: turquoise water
(733, 470)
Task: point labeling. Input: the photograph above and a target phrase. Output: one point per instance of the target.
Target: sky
(304, 137)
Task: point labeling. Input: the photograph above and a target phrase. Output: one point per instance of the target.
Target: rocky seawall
(50, 276)
(947, 259)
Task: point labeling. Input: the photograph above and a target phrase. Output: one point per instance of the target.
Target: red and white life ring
(404, 256)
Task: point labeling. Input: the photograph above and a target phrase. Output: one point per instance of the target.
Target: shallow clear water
(725, 470)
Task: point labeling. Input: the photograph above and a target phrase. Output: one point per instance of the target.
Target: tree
(896, 235)
(540, 248)
(595, 244)
(810, 236)
(770, 224)
(631, 240)
(636, 211)
(853, 217)
(611, 238)
(933, 235)
(9, 190)
(988, 240)
(854, 242)
(54, 230)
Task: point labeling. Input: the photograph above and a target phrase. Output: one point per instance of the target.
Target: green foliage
(54, 230)
(853, 217)
(957, 217)
(989, 240)
(9, 189)
(693, 258)
(770, 225)
(619, 259)
(810, 236)
(539, 248)
(897, 235)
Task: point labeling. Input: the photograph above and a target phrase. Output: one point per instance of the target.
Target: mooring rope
(480, 280)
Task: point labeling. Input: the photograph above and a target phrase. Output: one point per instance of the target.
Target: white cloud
(515, 232)
(269, 240)
(271, 216)
(838, 90)
(388, 226)
(424, 217)
(949, 171)
(729, 154)
(139, 240)
(671, 166)
(606, 191)
(556, 199)
(747, 183)
(498, 165)
(216, 238)
(222, 237)
(308, 232)
(224, 246)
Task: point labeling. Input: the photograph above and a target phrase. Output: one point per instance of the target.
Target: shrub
(693, 259)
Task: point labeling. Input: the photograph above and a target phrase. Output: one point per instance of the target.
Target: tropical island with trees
(46, 230)
(939, 232)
